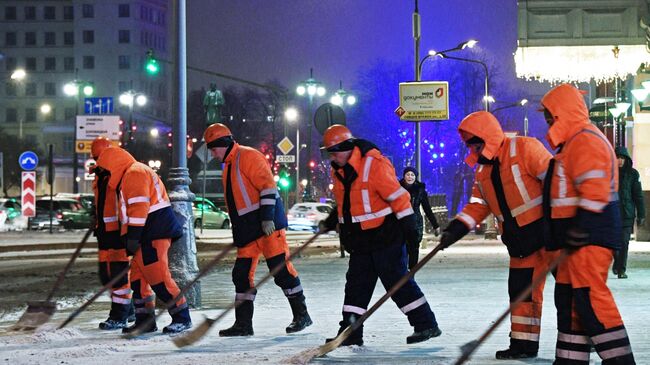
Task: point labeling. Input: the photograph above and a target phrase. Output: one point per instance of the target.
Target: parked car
(11, 208)
(212, 218)
(307, 216)
(69, 214)
(87, 200)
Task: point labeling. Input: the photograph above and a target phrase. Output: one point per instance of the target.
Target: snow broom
(469, 348)
(307, 355)
(206, 269)
(197, 333)
(39, 312)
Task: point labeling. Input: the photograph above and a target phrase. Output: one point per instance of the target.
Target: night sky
(261, 40)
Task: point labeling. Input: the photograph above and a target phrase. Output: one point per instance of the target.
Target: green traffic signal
(284, 182)
(152, 66)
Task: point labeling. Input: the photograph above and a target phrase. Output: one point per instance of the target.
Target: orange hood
(485, 126)
(567, 105)
(116, 161)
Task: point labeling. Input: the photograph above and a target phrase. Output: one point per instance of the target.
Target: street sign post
(98, 105)
(28, 195)
(285, 145)
(28, 160)
(90, 127)
(285, 158)
(423, 101)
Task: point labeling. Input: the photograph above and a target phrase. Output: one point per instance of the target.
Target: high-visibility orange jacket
(583, 177)
(376, 199)
(254, 194)
(145, 210)
(522, 165)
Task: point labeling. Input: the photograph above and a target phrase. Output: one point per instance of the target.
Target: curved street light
(467, 44)
(341, 96)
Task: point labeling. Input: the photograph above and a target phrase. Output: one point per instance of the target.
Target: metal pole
(416, 43)
(50, 163)
(182, 254)
(75, 183)
(297, 159)
(526, 120)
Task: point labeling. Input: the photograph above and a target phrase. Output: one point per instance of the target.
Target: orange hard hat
(98, 146)
(217, 135)
(335, 135)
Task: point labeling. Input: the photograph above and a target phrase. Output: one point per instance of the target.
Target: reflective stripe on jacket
(255, 194)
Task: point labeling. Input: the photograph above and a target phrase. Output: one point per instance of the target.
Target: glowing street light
(18, 74)
(46, 108)
(341, 96)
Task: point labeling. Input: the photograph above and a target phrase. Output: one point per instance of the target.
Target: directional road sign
(28, 160)
(28, 194)
(99, 105)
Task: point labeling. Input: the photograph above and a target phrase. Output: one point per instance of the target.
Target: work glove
(454, 231)
(576, 237)
(132, 246)
(268, 227)
(640, 221)
(330, 223)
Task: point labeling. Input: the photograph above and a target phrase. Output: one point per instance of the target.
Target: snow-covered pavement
(466, 286)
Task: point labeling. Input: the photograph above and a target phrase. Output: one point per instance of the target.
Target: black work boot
(181, 321)
(513, 353)
(356, 337)
(116, 318)
(301, 319)
(419, 336)
(243, 321)
(144, 323)
(131, 315)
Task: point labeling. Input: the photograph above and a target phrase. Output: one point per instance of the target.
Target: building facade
(102, 43)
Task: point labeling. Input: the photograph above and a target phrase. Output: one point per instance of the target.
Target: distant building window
(68, 143)
(10, 13)
(123, 10)
(70, 113)
(30, 12)
(30, 115)
(50, 89)
(30, 89)
(68, 64)
(89, 62)
(89, 36)
(122, 86)
(10, 39)
(50, 38)
(30, 38)
(31, 139)
(87, 11)
(49, 13)
(10, 63)
(51, 116)
(50, 63)
(10, 88)
(124, 36)
(30, 63)
(68, 38)
(68, 12)
(11, 115)
(123, 62)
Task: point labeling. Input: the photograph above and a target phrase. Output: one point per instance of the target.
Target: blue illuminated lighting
(404, 134)
(435, 155)
(406, 144)
(442, 145)
(431, 146)
(430, 161)
(442, 155)
(426, 141)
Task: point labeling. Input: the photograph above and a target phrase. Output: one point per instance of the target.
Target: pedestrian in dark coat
(631, 198)
(419, 198)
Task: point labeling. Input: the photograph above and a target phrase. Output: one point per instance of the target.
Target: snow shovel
(206, 269)
(39, 312)
(469, 348)
(197, 333)
(307, 355)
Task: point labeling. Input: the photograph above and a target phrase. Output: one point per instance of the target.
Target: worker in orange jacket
(148, 225)
(508, 183)
(582, 213)
(258, 226)
(375, 220)
(111, 249)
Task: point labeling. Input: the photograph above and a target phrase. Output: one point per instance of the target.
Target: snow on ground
(466, 287)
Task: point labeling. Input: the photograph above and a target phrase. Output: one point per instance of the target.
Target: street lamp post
(342, 97)
(312, 88)
(128, 99)
(523, 103)
(76, 88)
(18, 76)
(291, 116)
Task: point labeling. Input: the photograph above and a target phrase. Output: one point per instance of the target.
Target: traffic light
(284, 182)
(151, 66)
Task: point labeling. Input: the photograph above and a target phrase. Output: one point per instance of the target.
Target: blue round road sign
(28, 160)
